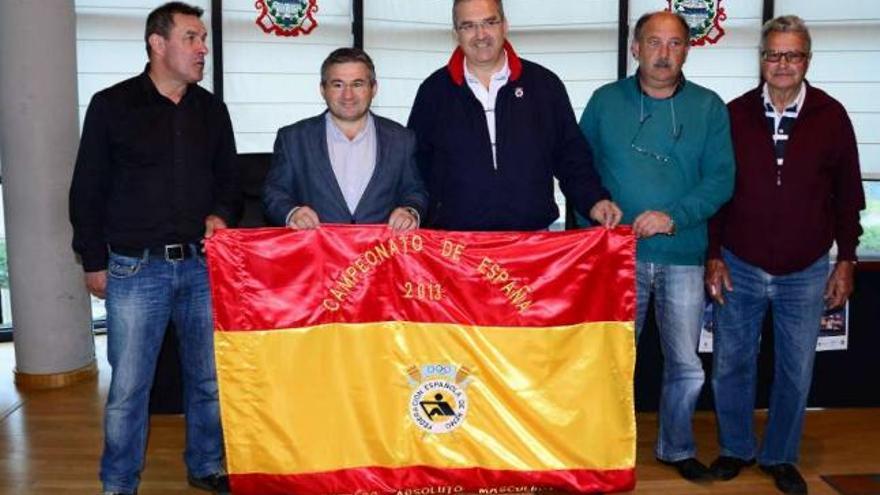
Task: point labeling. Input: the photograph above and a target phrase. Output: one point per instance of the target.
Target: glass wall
(5, 302)
(270, 81)
(576, 39)
(869, 249)
(728, 67)
(846, 51)
(110, 43)
(407, 41)
(110, 48)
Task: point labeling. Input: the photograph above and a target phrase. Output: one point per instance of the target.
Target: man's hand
(717, 279)
(651, 223)
(212, 223)
(96, 282)
(402, 219)
(840, 284)
(607, 213)
(303, 218)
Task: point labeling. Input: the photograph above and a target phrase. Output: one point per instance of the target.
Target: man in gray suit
(346, 165)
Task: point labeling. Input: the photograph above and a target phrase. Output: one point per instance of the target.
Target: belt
(168, 252)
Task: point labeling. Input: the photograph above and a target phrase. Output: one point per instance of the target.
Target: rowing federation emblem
(287, 17)
(439, 402)
(704, 18)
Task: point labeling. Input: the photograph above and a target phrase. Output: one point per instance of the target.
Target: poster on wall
(704, 18)
(287, 17)
(833, 329)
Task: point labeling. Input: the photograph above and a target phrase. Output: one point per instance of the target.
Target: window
(729, 67)
(271, 81)
(110, 43)
(109, 49)
(5, 302)
(576, 39)
(869, 247)
(407, 41)
(845, 53)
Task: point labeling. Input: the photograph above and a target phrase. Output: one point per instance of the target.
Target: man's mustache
(663, 63)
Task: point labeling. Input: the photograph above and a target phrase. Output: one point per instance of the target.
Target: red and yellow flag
(355, 360)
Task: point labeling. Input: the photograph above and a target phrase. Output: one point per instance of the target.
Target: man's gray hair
(786, 24)
(455, 3)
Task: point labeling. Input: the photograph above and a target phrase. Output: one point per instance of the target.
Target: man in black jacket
(493, 130)
(155, 174)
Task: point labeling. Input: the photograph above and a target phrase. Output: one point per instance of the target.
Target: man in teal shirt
(662, 147)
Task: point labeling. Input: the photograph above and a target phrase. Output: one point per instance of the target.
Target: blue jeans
(142, 295)
(679, 301)
(797, 303)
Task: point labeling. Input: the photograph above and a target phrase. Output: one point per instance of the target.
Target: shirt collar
(336, 134)
(455, 67)
(678, 85)
(152, 91)
(147, 83)
(793, 106)
(502, 75)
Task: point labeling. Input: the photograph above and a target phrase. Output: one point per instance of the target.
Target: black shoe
(690, 469)
(217, 483)
(726, 468)
(787, 478)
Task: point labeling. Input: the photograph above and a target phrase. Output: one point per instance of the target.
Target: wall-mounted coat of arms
(287, 17)
(704, 18)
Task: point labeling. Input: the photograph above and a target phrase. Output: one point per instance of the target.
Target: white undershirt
(487, 97)
(799, 100)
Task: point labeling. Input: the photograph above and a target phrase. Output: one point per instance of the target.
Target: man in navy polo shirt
(493, 130)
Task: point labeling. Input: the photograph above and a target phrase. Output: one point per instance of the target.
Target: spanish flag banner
(356, 360)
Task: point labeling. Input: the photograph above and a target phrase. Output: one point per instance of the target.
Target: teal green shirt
(672, 155)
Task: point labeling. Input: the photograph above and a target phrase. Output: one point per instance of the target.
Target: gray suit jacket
(301, 175)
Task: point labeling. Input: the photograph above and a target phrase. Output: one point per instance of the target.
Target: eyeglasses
(339, 86)
(660, 157)
(643, 117)
(471, 26)
(790, 57)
